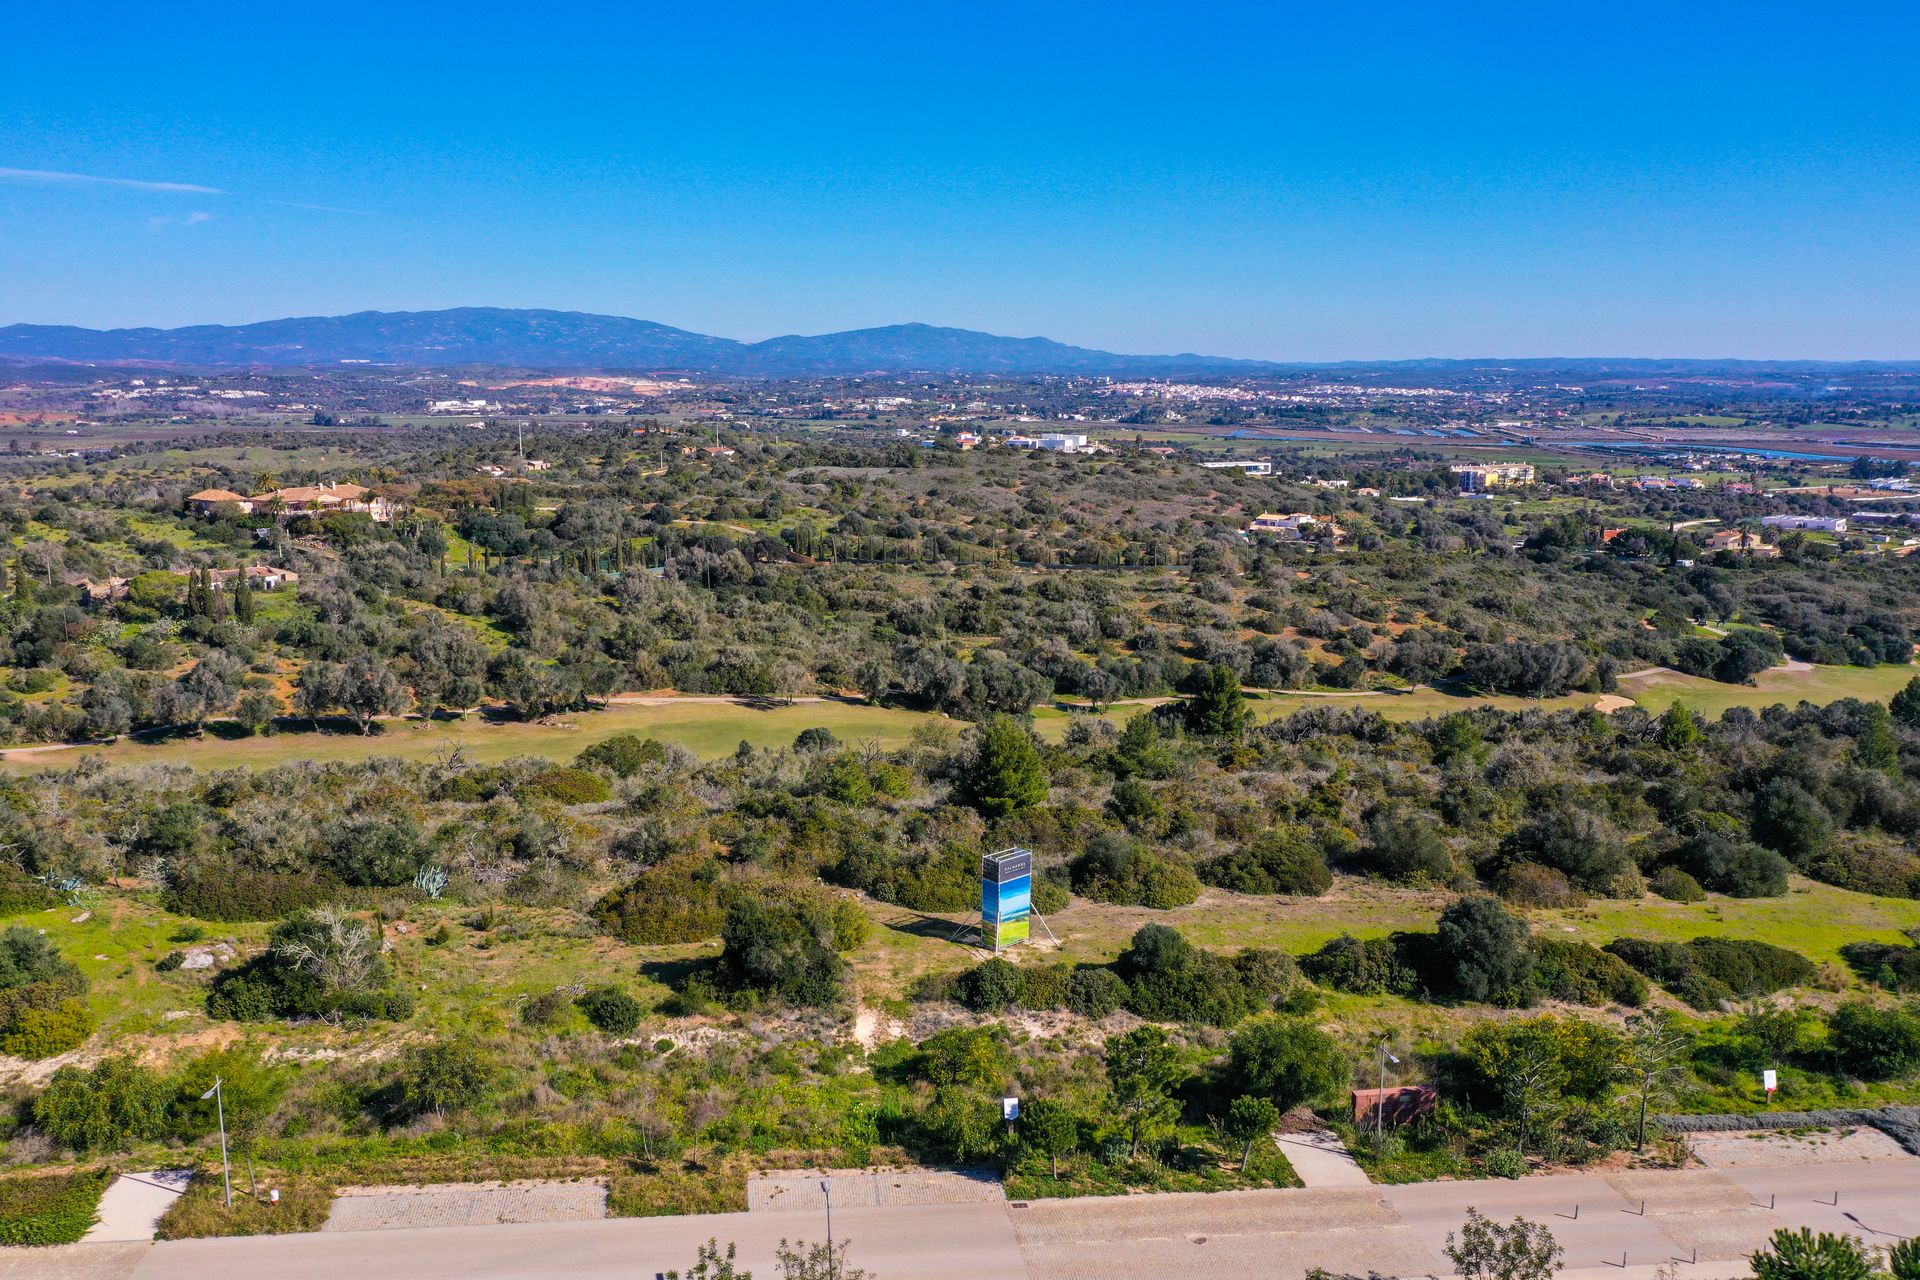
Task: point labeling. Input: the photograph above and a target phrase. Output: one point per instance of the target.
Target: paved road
(1704, 1221)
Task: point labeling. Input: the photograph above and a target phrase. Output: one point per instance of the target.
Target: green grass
(117, 945)
(708, 729)
(50, 1208)
(1821, 685)
(1813, 919)
(711, 729)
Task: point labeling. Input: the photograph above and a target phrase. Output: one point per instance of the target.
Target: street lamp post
(220, 1108)
(1380, 1099)
(826, 1189)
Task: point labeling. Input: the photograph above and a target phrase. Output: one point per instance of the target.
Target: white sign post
(1009, 1109)
(1770, 1081)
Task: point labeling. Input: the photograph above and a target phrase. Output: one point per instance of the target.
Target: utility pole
(220, 1108)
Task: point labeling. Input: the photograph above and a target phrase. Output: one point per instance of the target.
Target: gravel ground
(1831, 1146)
(460, 1204)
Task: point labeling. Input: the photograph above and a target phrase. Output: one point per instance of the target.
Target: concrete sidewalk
(1321, 1159)
(132, 1207)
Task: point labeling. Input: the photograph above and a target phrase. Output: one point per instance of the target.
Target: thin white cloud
(193, 219)
(318, 208)
(49, 175)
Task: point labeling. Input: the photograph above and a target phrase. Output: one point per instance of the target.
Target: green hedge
(50, 1209)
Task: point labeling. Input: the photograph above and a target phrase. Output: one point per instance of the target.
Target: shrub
(778, 941)
(676, 901)
(990, 987)
(612, 1010)
(815, 739)
(1168, 978)
(55, 1208)
(1749, 967)
(1707, 972)
(1528, 884)
(1802, 1255)
(41, 1010)
(1581, 973)
(235, 893)
(1287, 1061)
(1737, 868)
(568, 786)
(1505, 1163)
(1044, 986)
(317, 963)
(623, 755)
(1875, 1043)
(42, 1033)
(447, 1075)
(1364, 967)
(1484, 951)
(1115, 868)
(1403, 845)
(1280, 860)
(1581, 844)
(545, 1009)
(1675, 885)
(21, 893)
(106, 1109)
(1894, 967)
(1095, 992)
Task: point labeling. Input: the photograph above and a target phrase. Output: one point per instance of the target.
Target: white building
(1824, 524)
(1247, 468)
(1292, 526)
(1475, 476)
(1064, 441)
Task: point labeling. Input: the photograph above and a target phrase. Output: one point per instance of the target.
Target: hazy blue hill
(462, 335)
(902, 347)
(533, 339)
(575, 340)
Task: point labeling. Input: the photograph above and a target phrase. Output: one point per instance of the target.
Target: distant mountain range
(574, 340)
(495, 336)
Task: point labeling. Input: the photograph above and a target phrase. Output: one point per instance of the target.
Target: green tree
(1006, 773)
(1485, 1250)
(1250, 1119)
(1655, 1060)
(1287, 1061)
(1802, 1255)
(1050, 1129)
(1678, 728)
(1215, 707)
(1905, 705)
(1143, 1067)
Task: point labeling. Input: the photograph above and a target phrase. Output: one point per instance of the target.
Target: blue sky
(1274, 180)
